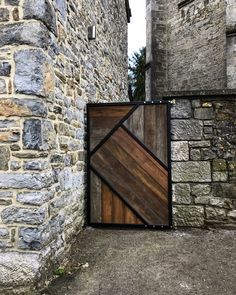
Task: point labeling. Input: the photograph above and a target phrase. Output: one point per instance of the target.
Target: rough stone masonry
(49, 70)
(190, 45)
(204, 159)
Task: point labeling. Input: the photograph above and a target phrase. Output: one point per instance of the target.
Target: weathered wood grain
(95, 199)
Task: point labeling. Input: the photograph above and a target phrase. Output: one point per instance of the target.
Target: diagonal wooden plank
(143, 158)
(132, 182)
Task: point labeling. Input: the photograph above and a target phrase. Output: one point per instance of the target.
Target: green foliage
(137, 75)
(60, 271)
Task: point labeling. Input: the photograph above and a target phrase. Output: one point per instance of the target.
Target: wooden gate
(129, 175)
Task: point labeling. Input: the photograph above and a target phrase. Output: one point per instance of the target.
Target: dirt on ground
(141, 262)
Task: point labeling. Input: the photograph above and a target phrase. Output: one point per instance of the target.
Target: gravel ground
(141, 262)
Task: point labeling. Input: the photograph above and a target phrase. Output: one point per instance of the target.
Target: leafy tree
(137, 75)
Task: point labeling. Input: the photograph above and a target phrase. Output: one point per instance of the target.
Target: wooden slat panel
(118, 210)
(132, 182)
(115, 210)
(103, 119)
(155, 130)
(106, 204)
(135, 123)
(95, 199)
(145, 160)
(149, 124)
(142, 175)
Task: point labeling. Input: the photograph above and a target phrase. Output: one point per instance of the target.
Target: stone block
(37, 165)
(179, 151)
(9, 136)
(224, 190)
(196, 103)
(5, 202)
(221, 203)
(186, 129)
(5, 69)
(22, 107)
(6, 194)
(4, 157)
(12, 2)
(35, 181)
(35, 238)
(31, 33)
(4, 233)
(181, 193)
(7, 124)
(4, 15)
(191, 171)
(220, 176)
(38, 135)
(18, 269)
(201, 190)
(41, 10)
(195, 154)
(181, 109)
(15, 165)
(34, 73)
(34, 198)
(61, 6)
(208, 154)
(219, 165)
(3, 87)
(23, 215)
(232, 215)
(204, 113)
(208, 130)
(200, 144)
(30, 239)
(215, 214)
(190, 216)
(70, 179)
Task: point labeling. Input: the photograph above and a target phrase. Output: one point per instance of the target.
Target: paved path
(122, 262)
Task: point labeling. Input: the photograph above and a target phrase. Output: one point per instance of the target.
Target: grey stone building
(49, 70)
(190, 45)
(191, 61)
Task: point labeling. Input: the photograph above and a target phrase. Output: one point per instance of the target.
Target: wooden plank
(109, 111)
(95, 199)
(150, 139)
(137, 170)
(145, 160)
(106, 204)
(131, 218)
(135, 123)
(135, 186)
(118, 210)
(155, 131)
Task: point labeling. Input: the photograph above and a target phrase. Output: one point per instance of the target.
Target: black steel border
(128, 226)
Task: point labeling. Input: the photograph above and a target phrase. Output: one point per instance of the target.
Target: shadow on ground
(121, 262)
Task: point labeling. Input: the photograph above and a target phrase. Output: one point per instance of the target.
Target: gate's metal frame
(118, 125)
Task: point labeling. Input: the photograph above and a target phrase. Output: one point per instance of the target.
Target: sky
(137, 27)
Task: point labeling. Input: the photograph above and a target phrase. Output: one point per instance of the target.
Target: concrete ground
(141, 262)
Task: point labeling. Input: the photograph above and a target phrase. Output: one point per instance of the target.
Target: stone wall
(204, 160)
(49, 70)
(231, 42)
(191, 47)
